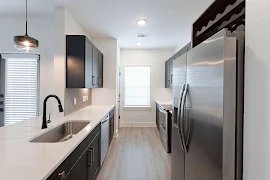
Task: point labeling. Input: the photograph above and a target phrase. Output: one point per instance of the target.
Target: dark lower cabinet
(62, 171)
(80, 170)
(111, 130)
(94, 164)
(68, 177)
(157, 115)
(84, 161)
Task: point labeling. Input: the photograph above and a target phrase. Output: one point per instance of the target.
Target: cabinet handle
(171, 78)
(92, 156)
(89, 160)
(62, 175)
(93, 77)
(99, 81)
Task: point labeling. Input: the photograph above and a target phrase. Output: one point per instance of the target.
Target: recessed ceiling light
(141, 22)
(139, 44)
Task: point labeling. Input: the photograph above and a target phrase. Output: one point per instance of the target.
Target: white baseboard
(138, 124)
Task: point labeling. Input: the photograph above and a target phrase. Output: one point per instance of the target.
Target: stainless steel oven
(164, 128)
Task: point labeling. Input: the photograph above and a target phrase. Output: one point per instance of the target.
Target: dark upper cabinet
(82, 63)
(89, 83)
(100, 72)
(169, 73)
(95, 66)
(75, 61)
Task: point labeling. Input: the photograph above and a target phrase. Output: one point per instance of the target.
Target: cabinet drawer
(82, 147)
(64, 168)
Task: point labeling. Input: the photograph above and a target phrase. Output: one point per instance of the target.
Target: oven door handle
(163, 111)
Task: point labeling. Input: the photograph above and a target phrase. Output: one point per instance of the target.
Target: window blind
(137, 86)
(21, 88)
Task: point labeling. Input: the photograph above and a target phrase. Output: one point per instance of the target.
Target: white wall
(41, 28)
(257, 91)
(156, 59)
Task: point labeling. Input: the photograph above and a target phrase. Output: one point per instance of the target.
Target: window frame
(140, 107)
(24, 56)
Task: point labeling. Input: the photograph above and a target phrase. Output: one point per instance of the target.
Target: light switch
(75, 101)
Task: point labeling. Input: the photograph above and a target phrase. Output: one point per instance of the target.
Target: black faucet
(44, 122)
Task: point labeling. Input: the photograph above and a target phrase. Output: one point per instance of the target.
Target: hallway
(137, 154)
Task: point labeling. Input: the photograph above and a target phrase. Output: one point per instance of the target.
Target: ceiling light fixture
(141, 22)
(139, 44)
(26, 43)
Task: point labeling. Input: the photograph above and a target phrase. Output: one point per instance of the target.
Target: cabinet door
(68, 177)
(167, 74)
(94, 149)
(171, 72)
(100, 70)
(62, 171)
(80, 169)
(111, 128)
(75, 62)
(89, 83)
(95, 66)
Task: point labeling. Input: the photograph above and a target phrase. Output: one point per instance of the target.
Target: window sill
(137, 108)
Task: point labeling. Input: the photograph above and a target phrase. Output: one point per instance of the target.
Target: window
(137, 86)
(21, 87)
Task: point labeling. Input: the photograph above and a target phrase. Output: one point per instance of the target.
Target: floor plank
(137, 154)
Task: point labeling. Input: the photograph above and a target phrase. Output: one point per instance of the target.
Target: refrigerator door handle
(178, 116)
(182, 118)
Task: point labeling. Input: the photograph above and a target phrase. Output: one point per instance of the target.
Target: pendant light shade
(26, 43)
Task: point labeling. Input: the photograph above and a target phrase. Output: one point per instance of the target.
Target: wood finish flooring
(137, 154)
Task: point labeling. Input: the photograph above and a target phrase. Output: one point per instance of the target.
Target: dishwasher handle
(105, 120)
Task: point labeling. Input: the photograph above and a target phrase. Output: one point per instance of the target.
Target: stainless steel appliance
(208, 110)
(165, 128)
(104, 138)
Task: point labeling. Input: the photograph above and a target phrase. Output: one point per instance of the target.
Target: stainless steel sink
(61, 133)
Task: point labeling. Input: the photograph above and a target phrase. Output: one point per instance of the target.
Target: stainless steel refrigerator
(208, 110)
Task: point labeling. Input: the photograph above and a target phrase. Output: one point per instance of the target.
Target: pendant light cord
(26, 33)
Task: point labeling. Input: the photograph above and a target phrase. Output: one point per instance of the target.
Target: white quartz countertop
(164, 103)
(23, 160)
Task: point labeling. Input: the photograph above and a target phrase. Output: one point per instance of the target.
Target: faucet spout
(44, 118)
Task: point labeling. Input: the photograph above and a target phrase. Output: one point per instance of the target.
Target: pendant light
(26, 43)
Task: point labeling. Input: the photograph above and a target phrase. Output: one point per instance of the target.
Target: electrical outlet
(84, 98)
(75, 101)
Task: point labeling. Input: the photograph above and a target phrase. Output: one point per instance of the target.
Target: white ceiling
(169, 21)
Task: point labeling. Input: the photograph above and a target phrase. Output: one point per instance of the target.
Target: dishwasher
(104, 138)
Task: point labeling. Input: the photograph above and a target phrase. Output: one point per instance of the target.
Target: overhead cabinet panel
(75, 62)
(82, 63)
(89, 65)
(95, 66)
(100, 67)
